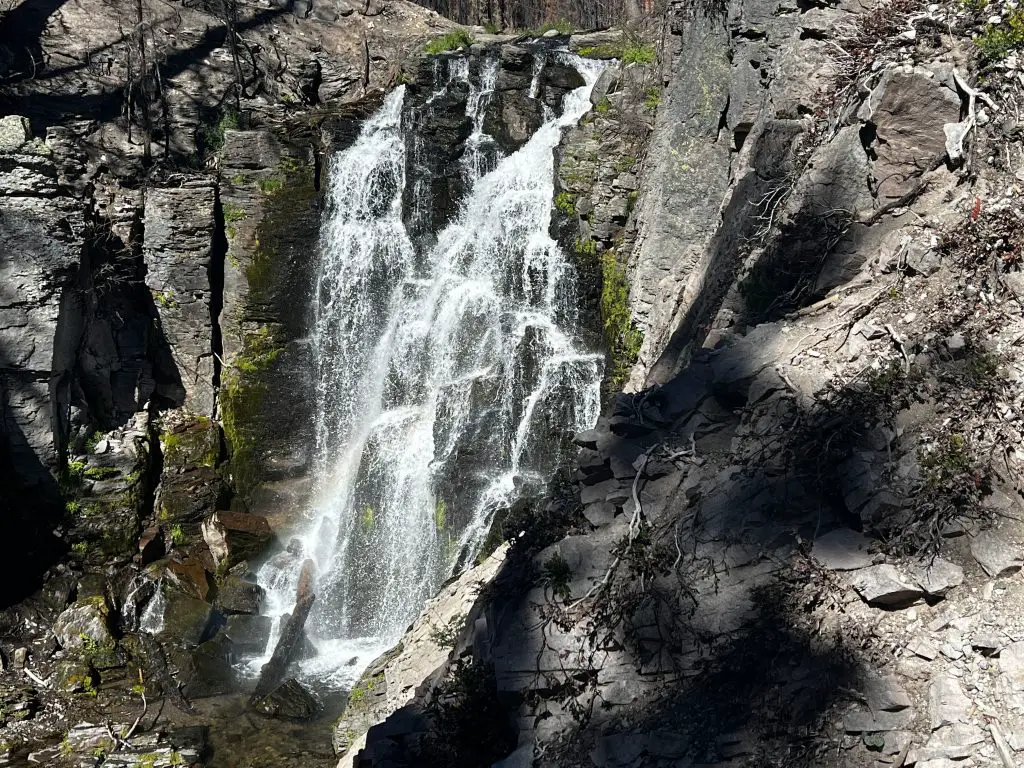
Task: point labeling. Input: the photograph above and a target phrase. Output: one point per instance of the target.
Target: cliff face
(141, 161)
(159, 213)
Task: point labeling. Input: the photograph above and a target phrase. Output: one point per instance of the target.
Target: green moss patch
(621, 336)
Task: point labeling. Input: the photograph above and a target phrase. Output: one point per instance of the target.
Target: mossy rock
(76, 676)
(193, 443)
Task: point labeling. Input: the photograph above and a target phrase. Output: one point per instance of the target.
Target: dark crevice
(807, 33)
(739, 135)
(723, 119)
(215, 275)
(868, 136)
(750, 34)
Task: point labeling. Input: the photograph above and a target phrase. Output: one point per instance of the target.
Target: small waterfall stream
(447, 376)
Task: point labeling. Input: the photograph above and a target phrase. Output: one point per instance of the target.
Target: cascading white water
(443, 380)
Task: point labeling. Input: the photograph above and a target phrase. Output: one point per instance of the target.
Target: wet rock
(236, 536)
(189, 576)
(947, 703)
(151, 544)
(236, 595)
(884, 586)
(185, 619)
(996, 554)
(842, 550)
(87, 621)
(206, 670)
(289, 701)
(248, 634)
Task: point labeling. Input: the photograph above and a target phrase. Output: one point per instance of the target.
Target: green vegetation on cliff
(621, 336)
(452, 41)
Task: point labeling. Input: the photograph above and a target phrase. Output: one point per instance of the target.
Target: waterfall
(446, 379)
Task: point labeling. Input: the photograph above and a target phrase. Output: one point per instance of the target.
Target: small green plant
(101, 473)
(92, 441)
(232, 215)
(638, 53)
(653, 99)
(447, 635)
(177, 535)
(603, 107)
(368, 518)
(601, 52)
(558, 575)
(585, 246)
(491, 28)
(997, 41)
(452, 41)
(76, 468)
(261, 350)
(441, 515)
(164, 298)
(80, 548)
(213, 135)
(270, 186)
(624, 163)
(566, 203)
(73, 506)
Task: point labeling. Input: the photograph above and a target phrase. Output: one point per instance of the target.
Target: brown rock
(236, 536)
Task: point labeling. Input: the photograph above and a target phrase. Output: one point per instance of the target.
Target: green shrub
(999, 40)
(558, 575)
(653, 100)
(452, 41)
(638, 53)
(566, 203)
(491, 28)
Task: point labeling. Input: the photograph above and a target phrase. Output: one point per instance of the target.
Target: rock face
(392, 680)
(178, 251)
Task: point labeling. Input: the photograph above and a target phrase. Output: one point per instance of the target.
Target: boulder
(947, 703)
(249, 634)
(937, 576)
(236, 595)
(85, 623)
(289, 701)
(236, 536)
(909, 111)
(842, 550)
(884, 586)
(996, 554)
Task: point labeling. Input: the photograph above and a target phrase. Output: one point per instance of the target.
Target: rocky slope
(798, 542)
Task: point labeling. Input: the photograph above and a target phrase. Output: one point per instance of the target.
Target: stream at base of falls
(449, 373)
